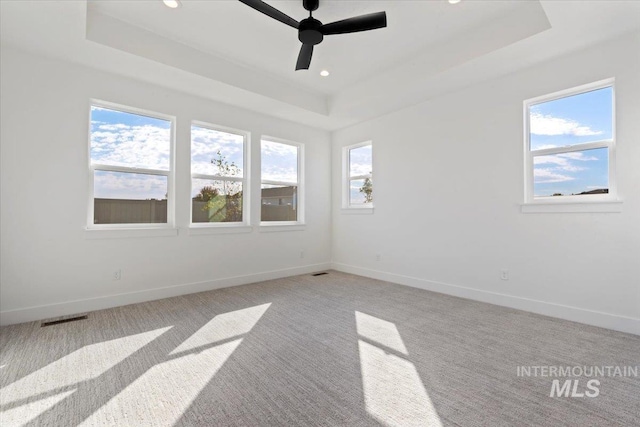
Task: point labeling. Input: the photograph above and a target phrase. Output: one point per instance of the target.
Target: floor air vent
(320, 274)
(69, 319)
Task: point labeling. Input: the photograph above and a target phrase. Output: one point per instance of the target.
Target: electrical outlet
(302, 254)
(504, 274)
(378, 257)
(117, 275)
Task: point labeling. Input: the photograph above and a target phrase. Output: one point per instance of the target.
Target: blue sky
(577, 119)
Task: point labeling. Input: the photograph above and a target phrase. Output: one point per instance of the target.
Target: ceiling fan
(311, 31)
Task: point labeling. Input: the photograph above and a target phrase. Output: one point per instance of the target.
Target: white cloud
(114, 127)
(115, 185)
(273, 172)
(205, 143)
(549, 126)
(279, 162)
(359, 169)
(276, 148)
(564, 162)
(546, 176)
(560, 163)
(360, 161)
(578, 155)
(145, 146)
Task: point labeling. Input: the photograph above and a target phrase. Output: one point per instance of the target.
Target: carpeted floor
(329, 350)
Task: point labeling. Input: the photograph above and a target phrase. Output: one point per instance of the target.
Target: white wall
(448, 188)
(448, 184)
(47, 262)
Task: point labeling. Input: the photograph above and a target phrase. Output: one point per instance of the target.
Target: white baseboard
(30, 314)
(575, 314)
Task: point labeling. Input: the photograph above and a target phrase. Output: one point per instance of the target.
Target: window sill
(208, 229)
(124, 233)
(357, 211)
(266, 227)
(572, 207)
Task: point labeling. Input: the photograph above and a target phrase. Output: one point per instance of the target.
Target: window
(281, 199)
(131, 166)
(570, 141)
(358, 181)
(218, 178)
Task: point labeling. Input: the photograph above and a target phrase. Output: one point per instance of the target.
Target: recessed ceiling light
(454, 1)
(324, 73)
(171, 3)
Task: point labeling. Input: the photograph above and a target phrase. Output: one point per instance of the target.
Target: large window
(358, 180)
(281, 182)
(570, 141)
(218, 183)
(131, 166)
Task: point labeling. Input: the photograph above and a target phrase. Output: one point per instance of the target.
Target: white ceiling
(240, 34)
(224, 50)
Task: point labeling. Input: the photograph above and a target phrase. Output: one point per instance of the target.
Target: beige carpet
(330, 350)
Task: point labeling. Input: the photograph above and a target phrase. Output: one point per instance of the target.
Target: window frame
(246, 171)
(529, 155)
(300, 185)
(347, 178)
(170, 174)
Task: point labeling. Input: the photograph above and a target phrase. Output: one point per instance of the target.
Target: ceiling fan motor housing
(309, 31)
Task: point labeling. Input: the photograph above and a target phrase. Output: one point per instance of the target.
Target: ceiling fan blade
(304, 58)
(271, 11)
(371, 21)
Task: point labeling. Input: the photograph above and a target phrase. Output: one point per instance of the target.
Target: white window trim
(197, 228)
(596, 202)
(127, 230)
(347, 207)
(299, 224)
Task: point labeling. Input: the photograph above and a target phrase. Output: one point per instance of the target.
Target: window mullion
(572, 148)
(283, 183)
(217, 177)
(360, 176)
(124, 169)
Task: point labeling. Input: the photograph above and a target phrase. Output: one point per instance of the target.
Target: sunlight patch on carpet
(224, 326)
(23, 414)
(393, 392)
(169, 388)
(40, 390)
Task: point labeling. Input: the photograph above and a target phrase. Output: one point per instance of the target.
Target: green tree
(223, 204)
(367, 190)
(206, 193)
